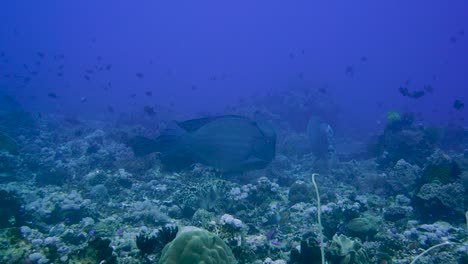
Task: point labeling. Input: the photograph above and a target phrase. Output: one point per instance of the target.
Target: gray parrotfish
(229, 143)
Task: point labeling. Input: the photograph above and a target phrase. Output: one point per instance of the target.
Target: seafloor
(71, 191)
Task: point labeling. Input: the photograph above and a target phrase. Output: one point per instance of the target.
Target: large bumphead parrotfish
(229, 143)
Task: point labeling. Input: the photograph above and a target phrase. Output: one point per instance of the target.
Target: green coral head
(393, 116)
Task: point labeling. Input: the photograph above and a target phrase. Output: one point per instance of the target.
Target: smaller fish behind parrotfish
(229, 143)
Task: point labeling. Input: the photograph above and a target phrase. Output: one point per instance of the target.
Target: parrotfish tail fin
(143, 146)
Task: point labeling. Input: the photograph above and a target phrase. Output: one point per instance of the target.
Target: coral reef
(74, 193)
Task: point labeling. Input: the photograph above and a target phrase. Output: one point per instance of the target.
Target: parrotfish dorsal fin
(194, 124)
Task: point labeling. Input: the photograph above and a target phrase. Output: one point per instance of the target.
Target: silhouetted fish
(148, 93)
(458, 105)
(415, 94)
(453, 39)
(228, 143)
(149, 110)
(139, 75)
(52, 95)
(428, 88)
(349, 71)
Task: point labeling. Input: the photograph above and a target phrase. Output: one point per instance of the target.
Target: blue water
(370, 94)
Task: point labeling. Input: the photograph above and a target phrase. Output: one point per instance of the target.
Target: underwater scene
(248, 132)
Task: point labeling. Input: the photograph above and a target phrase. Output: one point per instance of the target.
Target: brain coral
(194, 245)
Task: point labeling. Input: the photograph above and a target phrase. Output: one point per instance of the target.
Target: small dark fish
(303, 52)
(415, 94)
(458, 105)
(108, 67)
(38, 63)
(149, 110)
(428, 88)
(25, 66)
(364, 59)
(87, 77)
(60, 74)
(213, 78)
(133, 96)
(110, 109)
(89, 71)
(98, 58)
(140, 75)
(59, 57)
(83, 99)
(453, 39)
(461, 32)
(193, 87)
(291, 55)
(27, 79)
(34, 73)
(52, 95)
(41, 55)
(301, 75)
(2, 54)
(323, 90)
(149, 93)
(349, 71)
(61, 66)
